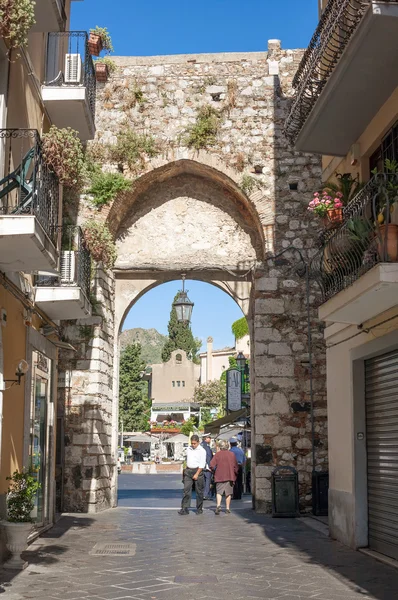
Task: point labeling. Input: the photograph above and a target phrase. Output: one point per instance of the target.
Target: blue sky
(188, 26)
(181, 27)
(213, 313)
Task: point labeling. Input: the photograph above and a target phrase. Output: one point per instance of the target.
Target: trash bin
(320, 491)
(285, 495)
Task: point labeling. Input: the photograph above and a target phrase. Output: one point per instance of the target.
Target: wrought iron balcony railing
(367, 235)
(339, 21)
(75, 263)
(69, 63)
(27, 186)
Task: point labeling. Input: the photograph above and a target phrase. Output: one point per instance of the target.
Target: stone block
(267, 284)
(279, 349)
(303, 444)
(262, 471)
(267, 334)
(267, 425)
(263, 454)
(282, 366)
(282, 441)
(269, 306)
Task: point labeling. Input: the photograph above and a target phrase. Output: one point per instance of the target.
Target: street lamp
(183, 305)
(241, 361)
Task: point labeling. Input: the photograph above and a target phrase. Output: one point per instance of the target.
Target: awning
(214, 426)
(140, 438)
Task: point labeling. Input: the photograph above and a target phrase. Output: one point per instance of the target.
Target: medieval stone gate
(218, 214)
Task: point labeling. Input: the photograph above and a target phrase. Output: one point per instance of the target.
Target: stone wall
(86, 403)
(231, 205)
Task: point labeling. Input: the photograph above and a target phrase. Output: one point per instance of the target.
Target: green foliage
(232, 365)
(204, 132)
(133, 96)
(347, 185)
(180, 338)
(134, 404)
(105, 60)
(63, 153)
(189, 426)
(106, 186)
(248, 184)
(210, 394)
(240, 328)
(205, 418)
(21, 496)
(16, 19)
(106, 40)
(131, 146)
(100, 243)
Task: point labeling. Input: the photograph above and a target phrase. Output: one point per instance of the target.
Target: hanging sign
(234, 389)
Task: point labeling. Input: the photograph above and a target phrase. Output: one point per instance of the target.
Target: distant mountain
(151, 341)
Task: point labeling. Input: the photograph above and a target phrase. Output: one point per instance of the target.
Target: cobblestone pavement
(234, 557)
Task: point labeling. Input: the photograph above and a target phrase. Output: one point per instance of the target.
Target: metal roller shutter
(381, 395)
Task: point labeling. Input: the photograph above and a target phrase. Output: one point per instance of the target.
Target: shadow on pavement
(362, 573)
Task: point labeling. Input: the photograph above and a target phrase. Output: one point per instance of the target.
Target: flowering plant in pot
(386, 201)
(103, 68)
(329, 208)
(99, 40)
(20, 504)
(63, 153)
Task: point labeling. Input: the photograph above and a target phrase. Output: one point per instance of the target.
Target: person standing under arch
(226, 468)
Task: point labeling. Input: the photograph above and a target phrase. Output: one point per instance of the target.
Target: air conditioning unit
(68, 266)
(73, 68)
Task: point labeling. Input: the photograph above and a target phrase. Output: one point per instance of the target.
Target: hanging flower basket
(95, 44)
(101, 72)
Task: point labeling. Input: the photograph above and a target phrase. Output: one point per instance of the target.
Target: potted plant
(100, 243)
(63, 153)
(386, 184)
(329, 208)
(103, 68)
(99, 40)
(20, 503)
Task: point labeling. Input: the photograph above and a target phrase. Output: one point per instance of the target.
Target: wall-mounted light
(20, 371)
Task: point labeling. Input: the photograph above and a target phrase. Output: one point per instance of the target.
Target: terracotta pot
(333, 218)
(16, 542)
(101, 72)
(387, 243)
(94, 44)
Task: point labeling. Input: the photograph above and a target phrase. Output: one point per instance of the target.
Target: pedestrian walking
(225, 468)
(241, 459)
(193, 475)
(206, 440)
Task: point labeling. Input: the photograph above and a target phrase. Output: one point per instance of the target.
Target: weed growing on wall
(131, 147)
(248, 184)
(106, 186)
(204, 132)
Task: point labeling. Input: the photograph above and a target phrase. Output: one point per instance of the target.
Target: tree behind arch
(134, 404)
(180, 338)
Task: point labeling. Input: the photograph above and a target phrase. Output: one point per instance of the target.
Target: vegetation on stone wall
(131, 147)
(134, 404)
(106, 186)
(240, 328)
(180, 338)
(16, 19)
(100, 243)
(248, 184)
(133, 96)
(204, 132)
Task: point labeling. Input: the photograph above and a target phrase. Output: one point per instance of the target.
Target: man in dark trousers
(193, 474)
(241, 459)
(206, 440)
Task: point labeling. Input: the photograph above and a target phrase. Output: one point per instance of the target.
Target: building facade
(346, 108)
(214, 362)
(35, 290)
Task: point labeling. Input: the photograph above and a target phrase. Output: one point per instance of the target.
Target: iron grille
(75, 263)
(66, 49)
(339, 21)
(27, 186)
(361, 240)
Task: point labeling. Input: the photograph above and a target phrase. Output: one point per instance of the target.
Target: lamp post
(243, 368)
(183, 305)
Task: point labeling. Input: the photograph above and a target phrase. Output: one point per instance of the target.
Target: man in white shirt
(196, 462)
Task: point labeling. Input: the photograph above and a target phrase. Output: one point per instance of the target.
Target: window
(183, 384)
(387, 149)
(179, 358)
(174, 383)
(178, 383)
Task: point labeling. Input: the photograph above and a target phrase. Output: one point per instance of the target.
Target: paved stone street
(195, 557)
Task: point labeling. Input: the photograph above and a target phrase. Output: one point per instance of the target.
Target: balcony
(50, 15)
(70, 86)
(29, 199)
(67, 295)
(356, 266)
(346, 75)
